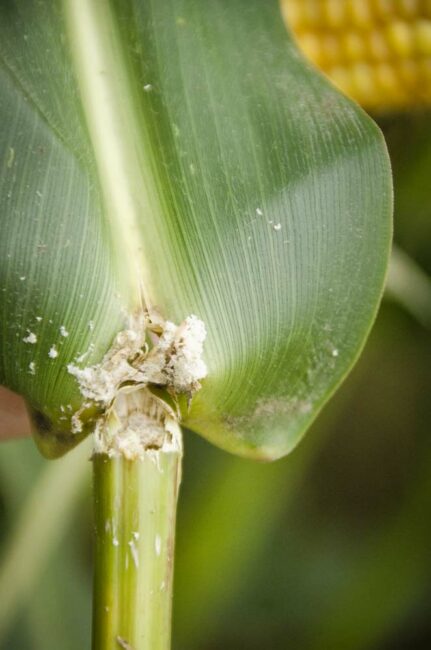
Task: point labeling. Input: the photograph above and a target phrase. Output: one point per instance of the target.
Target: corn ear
(376, 51)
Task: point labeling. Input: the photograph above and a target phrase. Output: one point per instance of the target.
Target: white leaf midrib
(116, 134)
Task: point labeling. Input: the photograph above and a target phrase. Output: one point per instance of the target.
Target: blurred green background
(328, 548)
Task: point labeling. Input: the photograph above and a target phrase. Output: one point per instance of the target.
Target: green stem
(135, 509)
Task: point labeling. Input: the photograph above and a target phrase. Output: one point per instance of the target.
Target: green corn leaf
(181, 155)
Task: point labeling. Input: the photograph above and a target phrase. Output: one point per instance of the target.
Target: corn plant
(195, 234)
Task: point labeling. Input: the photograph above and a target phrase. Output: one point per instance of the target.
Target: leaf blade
(270, 218)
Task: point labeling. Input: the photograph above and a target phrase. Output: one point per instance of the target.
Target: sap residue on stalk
(133, 420)
(158, 545)
(175, 361)
(134, 552)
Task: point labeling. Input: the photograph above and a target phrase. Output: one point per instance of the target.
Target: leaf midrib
(121, 146)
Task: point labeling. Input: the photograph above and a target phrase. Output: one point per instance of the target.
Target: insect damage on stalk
(149, 353)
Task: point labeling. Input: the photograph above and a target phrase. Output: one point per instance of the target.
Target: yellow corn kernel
(302, 15)
(360, 13)
(400, 38)
(311, 13)
(385, 9)
(408, 9)
(292, 14)
(378, 47)
(334, 14)
(331, 49)
(342, 78)
(408, 73)
(362, 76)
(353, 46)
(312, 47)
(423, 37)
(388, 85)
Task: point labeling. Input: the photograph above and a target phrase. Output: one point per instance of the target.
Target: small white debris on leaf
(31, 338)
(63, 331)
(277, 226)
(32, 368)
(53, 352)
(259, 212)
